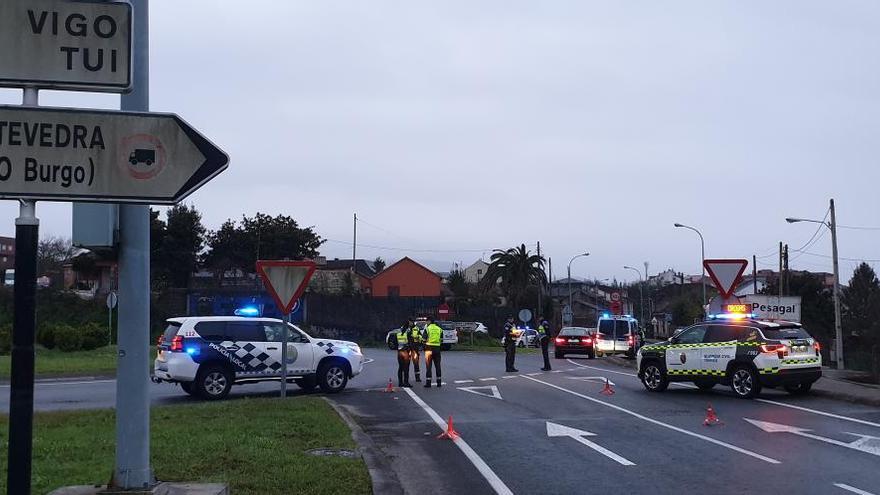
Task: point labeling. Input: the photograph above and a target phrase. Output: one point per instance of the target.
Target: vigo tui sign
(62, 44)
(102, 156)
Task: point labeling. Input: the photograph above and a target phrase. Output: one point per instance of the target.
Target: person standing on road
(510, 345)
(433, 341)
(403, 355)
(545, 335)
(415, 344)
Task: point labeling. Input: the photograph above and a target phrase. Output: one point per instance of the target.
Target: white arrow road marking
(765, 401)
(555, 430)
(464, 381)
(853, 489)
(866, 444)
(490, 379)
(600, 379)
(490, 391)
(494, 481)
(660, 423)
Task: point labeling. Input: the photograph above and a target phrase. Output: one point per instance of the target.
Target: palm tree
(515, 270)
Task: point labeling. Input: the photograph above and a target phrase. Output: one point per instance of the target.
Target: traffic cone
(450, 432)
(390, 387)
(711, 417)
(608, 389)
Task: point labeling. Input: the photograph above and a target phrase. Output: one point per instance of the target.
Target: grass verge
(52, 362)
(257, 446)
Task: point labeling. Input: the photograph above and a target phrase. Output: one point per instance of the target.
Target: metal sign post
(21, 390)
(112, 299)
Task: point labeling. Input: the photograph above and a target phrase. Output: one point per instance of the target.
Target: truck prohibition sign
(103, 156)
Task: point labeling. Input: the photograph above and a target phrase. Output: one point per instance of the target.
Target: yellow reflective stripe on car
(768, 371)
(801, 361)
(697, 372)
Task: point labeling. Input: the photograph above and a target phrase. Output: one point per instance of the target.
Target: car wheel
(654, 378)
(558, 355)
(213, 382)
(332, 378)
(798, 388)
(591, 354)
(745, 382)
(520, 344)
(188, 387)
(705, 385)
(308, 383)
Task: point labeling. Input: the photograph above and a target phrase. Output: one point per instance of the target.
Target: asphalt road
(637, 442)
(641, 442)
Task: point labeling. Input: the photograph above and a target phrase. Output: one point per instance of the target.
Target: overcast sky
(456, 127)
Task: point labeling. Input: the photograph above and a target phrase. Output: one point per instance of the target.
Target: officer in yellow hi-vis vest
(403, 355)
(433, 341)
(415, 347)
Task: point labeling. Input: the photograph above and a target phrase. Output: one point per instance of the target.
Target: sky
(456, 127)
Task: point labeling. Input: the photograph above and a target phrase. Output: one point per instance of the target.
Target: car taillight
(780, 349)
(817, 348)
(630, 340)
(177, 343)
(587, 341)
(560, 341)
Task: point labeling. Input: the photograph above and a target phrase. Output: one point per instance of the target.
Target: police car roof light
(731, 316)
(247, 311)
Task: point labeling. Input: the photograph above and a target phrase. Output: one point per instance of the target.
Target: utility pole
(755, 273)
(785, 267)
(838, 330)
(540, 286)
(781, 279)
(354, 242)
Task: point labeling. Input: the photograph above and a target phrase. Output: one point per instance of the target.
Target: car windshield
(785, 333)
(574, 332)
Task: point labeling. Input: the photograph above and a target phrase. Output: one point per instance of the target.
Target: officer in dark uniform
(510, 345)
(545, 335)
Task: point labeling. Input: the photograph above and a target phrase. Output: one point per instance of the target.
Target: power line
(411, 250)
(855, 227)
(866, 260)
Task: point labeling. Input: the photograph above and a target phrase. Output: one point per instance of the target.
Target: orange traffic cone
(608, 389)
(450, 432)
(389, 387)
(711, 417)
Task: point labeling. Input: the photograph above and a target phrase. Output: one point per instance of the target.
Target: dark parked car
(575, 340)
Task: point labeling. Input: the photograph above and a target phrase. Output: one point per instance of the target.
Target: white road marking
(765, 401)
(508, 376)
(555, 430)
(488, 379)
(492, 390)
(532, 374)
(556, 371)
(369, 360)
(598, 379)
(484, 469)
(852, 489)
(464, 381)
(660, 423)
(866, 443)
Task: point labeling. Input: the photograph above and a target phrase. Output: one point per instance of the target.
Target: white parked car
(617, 334)
(207, 355)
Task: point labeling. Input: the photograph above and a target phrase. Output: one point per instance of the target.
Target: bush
(46, 336)
(5, 338)
(93, 336)
(67, 338)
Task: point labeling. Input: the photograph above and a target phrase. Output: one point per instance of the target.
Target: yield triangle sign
(285, 280)
(490, 391)
(725, 274)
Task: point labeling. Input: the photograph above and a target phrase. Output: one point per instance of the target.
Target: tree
(378, 264)
(514, 270)
(458, 283)
(239, 246)
(184, 240)
(860, 310)
(52, 253)
(817, 306)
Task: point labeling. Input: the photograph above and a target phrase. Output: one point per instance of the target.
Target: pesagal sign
(767, 307)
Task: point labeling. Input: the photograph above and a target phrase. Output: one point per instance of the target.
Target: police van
(207, 355)
(736, 350)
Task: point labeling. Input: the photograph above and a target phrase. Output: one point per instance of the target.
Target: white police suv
(734, 350)
(207, 355)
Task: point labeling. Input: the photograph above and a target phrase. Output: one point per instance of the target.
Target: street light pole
(641, 295)
(702, 256)
(838, 327)
(569, 282)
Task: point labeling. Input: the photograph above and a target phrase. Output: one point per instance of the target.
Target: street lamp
(570, 307)
(838, 330)
(702, 254)
(641, 296)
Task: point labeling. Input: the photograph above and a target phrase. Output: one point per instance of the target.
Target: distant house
(406, 278)
(90, 274)
(474, 273)
(337, 276)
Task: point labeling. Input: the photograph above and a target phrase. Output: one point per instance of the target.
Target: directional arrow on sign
(866, 443)
(490, 391)
(61, 154)
(557, 430)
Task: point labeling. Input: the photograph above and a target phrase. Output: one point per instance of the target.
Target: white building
(474, 273)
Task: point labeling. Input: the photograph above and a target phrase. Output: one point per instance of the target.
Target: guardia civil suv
(744, 353)
(207, 355)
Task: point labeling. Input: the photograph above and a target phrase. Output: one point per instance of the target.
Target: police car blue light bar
(247, 311)
(731, 316)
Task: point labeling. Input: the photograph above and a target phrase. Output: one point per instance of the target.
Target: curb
(65, 378)
(383, 478)
(828, 394)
